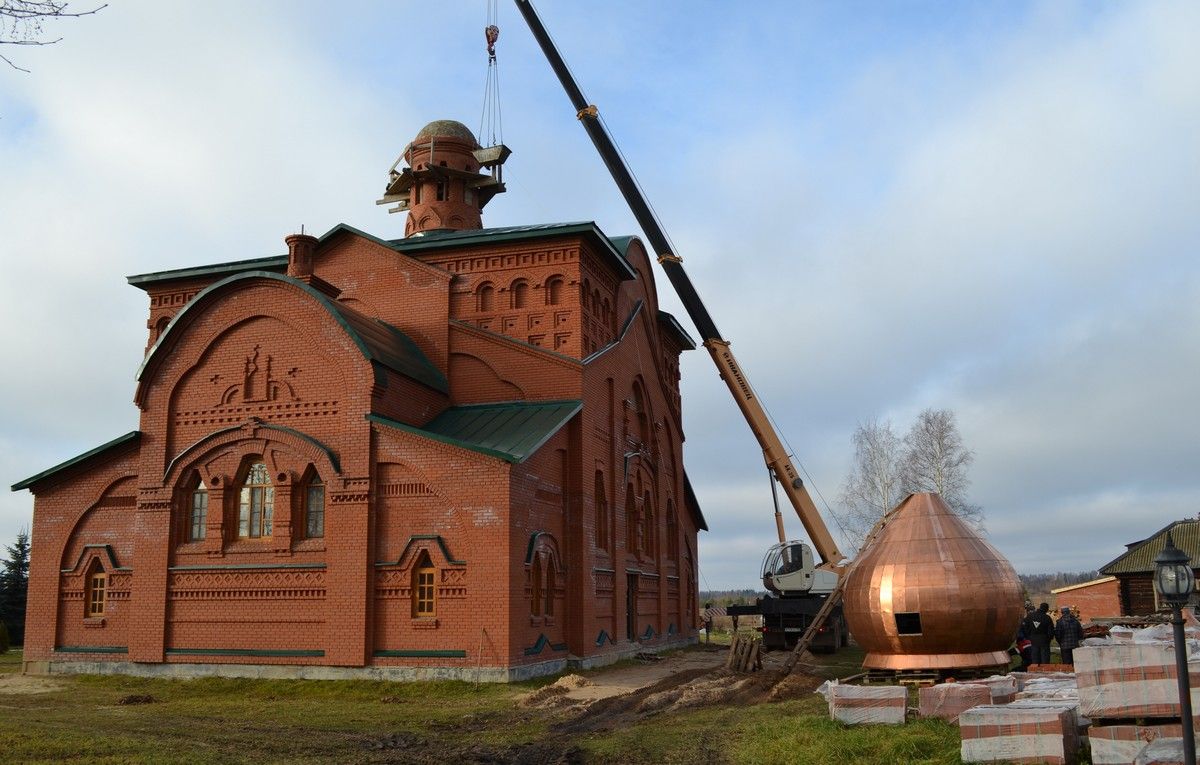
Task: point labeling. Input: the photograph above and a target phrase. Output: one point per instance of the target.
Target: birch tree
(886, 469)
(875, 483)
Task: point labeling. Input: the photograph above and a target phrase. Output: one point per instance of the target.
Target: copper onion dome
(930, 594)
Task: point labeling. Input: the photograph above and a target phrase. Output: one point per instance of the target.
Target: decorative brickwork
(313, 481)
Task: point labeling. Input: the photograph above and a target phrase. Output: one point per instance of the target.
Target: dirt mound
(552, 695)
(690, 690)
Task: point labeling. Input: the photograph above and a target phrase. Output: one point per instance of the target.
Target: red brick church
(456, 454)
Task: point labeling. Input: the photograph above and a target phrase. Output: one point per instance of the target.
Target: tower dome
(931, 594)
(447, 129)
(443, 188)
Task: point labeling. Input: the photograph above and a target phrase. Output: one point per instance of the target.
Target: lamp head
(1173, 575)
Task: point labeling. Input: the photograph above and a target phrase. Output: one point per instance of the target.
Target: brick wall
(261, 371)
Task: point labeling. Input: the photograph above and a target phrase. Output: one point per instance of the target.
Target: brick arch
(256, 437)
(196, 308)
(106, 520)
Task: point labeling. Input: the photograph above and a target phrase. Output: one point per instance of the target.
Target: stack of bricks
(859, 704)
(947, 701)
(1003, 688)
(1131, 692)
(1022, 732)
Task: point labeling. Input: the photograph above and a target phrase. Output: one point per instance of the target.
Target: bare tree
(21, 22)
(875, 484)
(886, 469)
(935, 459)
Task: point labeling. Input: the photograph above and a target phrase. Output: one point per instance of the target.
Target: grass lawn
(255, 721)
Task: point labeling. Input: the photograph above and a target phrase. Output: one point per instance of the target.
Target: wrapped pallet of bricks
(1120, 744)
(1129, 680)
(1161, 751)
(1031, 732)
(1003, 688)
(865, 704)
(1061, 686)
(947, 701)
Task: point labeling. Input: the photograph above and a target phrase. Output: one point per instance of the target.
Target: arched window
(443, 191)
(423, 590)
(584, 292)
(554, 288)
(314, 508)
(630, 520)
(198, 517)
(535, 586)
(596, 302)
(485, 297)
(672, 532)
(256, 502)
(161, 326)
(643, 417)
(520, 294)
(550, 588)
(601, 513)
(648, 526)
(96, 594)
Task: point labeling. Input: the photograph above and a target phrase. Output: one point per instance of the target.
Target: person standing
(1039, 628)
(1069, 634)
(1024, 645)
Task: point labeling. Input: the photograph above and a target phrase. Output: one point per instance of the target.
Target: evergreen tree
(14, 587)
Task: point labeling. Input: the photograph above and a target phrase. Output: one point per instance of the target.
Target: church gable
(378, 281)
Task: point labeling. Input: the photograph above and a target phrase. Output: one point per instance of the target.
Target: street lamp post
(1175, 582)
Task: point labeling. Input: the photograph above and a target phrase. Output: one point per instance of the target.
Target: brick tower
(442, 189)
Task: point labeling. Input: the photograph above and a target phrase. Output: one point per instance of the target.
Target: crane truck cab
(796, 590)
(788, 569)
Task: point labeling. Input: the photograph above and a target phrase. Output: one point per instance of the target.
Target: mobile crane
(804, 604)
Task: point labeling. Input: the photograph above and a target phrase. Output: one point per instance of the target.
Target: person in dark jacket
(1039, 628)
(1024, 645)
(1069, 634)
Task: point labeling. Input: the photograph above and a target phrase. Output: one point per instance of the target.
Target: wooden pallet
(745, 654)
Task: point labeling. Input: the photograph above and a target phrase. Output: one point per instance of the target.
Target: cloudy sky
(989, 207)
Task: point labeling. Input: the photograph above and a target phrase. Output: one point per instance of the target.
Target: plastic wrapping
(1023, 732)
(1120, 744)
(948, 700)
(1132, 680)
(1003, 688)
(1162, 751)
(865, 704)
(1060, 686)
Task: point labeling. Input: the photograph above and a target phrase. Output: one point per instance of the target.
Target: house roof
(129, 438)
(1081, 585)
(612, 250)
(1140, 557)
(378, 341)
(511, 431)
(689, 495)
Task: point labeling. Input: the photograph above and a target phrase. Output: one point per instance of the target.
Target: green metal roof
(129, 438)
(436, 240)
(274, 263)
(511, 431)
(677, 330)
(379, 342)
(1139, 559)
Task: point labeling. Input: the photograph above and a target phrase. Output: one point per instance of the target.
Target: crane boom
(774, 453)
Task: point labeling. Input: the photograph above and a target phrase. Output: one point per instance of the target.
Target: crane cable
(491, 125)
